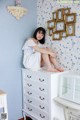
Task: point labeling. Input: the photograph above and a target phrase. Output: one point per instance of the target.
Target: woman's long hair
(40, 29)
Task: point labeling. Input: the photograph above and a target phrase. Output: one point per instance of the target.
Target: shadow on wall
(22, 54)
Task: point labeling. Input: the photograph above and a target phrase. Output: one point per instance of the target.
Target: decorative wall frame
(66, 11)
(60, 26)
(54, 15)
(63, 34)
(70, 29)
(69, 18)
(50, 32)
(56, 36)
(51, 24)
(60, 13)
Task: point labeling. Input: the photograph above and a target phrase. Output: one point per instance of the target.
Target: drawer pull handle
(41, 98)
(29, 101)
(41, 107)
(42, 116)
(41, 80)
(29, 109)
(28, 76)
(29, 93)
(29, 84)
(41, 89)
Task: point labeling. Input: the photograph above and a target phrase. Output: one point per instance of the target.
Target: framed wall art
(54, 15)
(63, 34)
(51, 24)
(60, 14)
(69, 18)
(60, 26)
(50, 32)
(56, 36)
(66, 11)
(70, 29)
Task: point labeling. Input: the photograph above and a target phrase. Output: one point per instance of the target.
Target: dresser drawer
(28, 108)
(41, 87)
(36, 76)
(35, 102)
(35, 85)
(28, 91)
(29, 75)
(41, 115)
(39, 95)
(28, 83)
(42, 78)
(32, 110)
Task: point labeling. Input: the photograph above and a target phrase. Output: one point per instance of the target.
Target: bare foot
(52, 70)
(60, 69)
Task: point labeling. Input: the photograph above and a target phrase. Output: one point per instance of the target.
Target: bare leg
(53, 60)
(42, 62)
(46, 60)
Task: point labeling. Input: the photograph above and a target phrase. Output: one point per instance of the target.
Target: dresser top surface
(45, 72)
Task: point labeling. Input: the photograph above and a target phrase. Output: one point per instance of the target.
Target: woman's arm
(44, 50)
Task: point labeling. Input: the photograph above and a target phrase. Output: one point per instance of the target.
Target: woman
(36, 54)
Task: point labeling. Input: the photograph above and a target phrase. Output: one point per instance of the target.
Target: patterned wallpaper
(67, 49)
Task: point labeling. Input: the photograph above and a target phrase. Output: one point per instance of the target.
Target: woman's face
(39, 35)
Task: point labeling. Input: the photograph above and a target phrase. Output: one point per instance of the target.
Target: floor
(27, 118)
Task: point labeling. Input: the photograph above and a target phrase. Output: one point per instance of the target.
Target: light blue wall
(13, 33)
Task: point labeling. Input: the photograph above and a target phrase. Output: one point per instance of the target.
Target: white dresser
(39, 89)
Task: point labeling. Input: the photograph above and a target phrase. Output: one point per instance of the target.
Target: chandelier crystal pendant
(17, 11)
